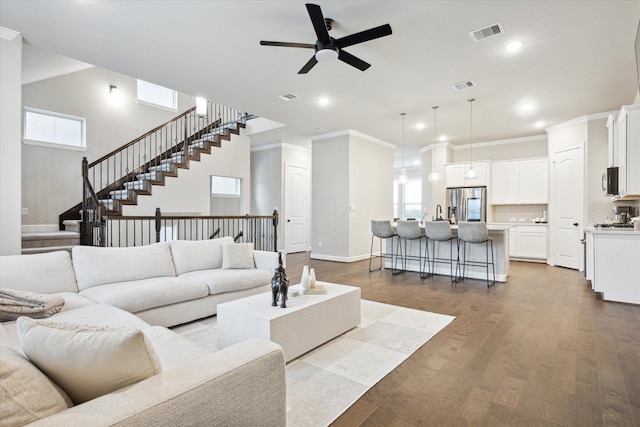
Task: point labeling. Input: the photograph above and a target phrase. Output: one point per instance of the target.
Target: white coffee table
(307, 322)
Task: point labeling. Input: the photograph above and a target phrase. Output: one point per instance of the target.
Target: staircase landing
(34, 243)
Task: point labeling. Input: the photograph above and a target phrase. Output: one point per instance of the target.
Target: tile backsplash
(597, 212)
(506, 213)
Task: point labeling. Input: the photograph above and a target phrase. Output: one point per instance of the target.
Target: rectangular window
(53, 128)
(407, 199)
(159, 96)
(225, 186)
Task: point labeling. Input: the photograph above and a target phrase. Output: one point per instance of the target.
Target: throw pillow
(238, 255)
(27, 395)
(15, 303)
(87, 361)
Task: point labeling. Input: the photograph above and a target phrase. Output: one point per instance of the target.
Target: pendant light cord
(403, 114)
(471, 131)
(435, 143)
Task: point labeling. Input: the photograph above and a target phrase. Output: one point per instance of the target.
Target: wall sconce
(201, 106)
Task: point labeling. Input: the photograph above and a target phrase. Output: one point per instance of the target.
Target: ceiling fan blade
(353, 61)
(319, 25)
(309, 65)
(364, 36)
(287, 44)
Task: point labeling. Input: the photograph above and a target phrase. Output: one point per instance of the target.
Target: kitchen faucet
(439, 208)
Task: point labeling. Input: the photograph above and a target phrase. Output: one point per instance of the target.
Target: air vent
(319, 129)
(463, 85)
(288, 96)
(485, 33)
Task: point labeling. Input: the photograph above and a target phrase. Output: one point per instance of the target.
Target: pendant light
(403, 178)
(471, 173)
(434, 177)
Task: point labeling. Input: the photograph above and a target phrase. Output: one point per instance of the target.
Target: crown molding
(352, 132)
(583, 119)
(279, 145)
(8, 34)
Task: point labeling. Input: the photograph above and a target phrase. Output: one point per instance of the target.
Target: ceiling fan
(328, 48)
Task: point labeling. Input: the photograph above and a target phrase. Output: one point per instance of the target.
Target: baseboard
(324, 257)
(40, 228)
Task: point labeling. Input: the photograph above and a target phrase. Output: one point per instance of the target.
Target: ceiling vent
(288, 96)
(463, 85)
(485, 33)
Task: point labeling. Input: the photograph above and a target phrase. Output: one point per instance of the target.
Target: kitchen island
(612, 263)
(499, 233)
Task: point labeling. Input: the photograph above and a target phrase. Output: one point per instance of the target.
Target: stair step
(135, 185)
(175, 158)
(119, 194)
(108, 204)
(166, 167)
(71, 225)
(50, 239)
(152, 176)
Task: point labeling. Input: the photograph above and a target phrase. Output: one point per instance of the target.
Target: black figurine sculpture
(280, 284)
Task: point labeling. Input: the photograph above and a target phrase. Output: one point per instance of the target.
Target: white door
(566, 208)
(295, 208)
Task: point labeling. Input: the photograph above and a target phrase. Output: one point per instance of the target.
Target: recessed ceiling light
(420, 126)
(443, 138)
(539, 124)
(514, 46)
(526, 108)
(324, 101)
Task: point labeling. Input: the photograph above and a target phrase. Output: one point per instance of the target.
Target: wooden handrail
(129, 144)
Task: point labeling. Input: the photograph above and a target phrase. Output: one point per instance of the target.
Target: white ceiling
(578, 58)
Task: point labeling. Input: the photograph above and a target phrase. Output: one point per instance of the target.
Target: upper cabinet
(520, 182)
(627, 151)
(455, 174)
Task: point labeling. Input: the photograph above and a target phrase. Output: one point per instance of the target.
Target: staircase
(132, 170)
(52, 240)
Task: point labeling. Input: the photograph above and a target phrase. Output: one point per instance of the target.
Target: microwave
(610, 181)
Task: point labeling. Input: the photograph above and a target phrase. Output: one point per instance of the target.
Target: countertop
(514, 224)
(490, 226)
(616, 231)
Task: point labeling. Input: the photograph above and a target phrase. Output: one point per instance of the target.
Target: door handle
(575, 224)
(288, 220)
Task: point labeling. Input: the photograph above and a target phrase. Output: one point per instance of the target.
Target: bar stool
(382, 230)
(409, 230)
(474, 233)
(438, 232)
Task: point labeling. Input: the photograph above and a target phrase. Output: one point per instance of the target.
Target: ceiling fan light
(434, 177)
(327, 55)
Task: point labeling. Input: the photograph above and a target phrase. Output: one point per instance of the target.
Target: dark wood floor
(539, 350)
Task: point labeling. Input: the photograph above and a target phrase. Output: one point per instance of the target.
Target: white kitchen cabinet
(611, 141)
(529, 243)
(504, 183)
(523, 181)
(455, 174)
(616, 269)
(627, 139)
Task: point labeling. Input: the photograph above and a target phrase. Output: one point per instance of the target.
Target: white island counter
(499, 233)
(612, 263)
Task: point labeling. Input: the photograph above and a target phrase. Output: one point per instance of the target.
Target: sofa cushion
(27, 395)
(87, 361)
(46, 273)
(143, 294)
(238, 255)
(191, 255)
(95, 266)
(101, 315)
(220, 281)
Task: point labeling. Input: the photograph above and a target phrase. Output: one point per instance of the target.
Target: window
(407, 199)
(225, 186)
(158, 96)
(53, 128)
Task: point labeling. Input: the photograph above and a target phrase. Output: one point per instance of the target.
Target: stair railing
(119, 169)
(261, 230)
(92, 225)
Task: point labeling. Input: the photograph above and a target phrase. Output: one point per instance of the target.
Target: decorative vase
(304, 280)
(312, 278)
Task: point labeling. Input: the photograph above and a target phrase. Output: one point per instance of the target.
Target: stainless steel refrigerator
(467, 203)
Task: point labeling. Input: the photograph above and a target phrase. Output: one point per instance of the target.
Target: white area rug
(323, 383)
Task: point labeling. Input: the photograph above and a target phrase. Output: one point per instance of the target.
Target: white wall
(51, 177)
(10, 142)
(352, 183)
(518, 148)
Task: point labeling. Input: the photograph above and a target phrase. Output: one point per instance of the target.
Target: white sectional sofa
(109, 290)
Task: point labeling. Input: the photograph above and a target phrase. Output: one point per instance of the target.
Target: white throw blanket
(14, 303)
